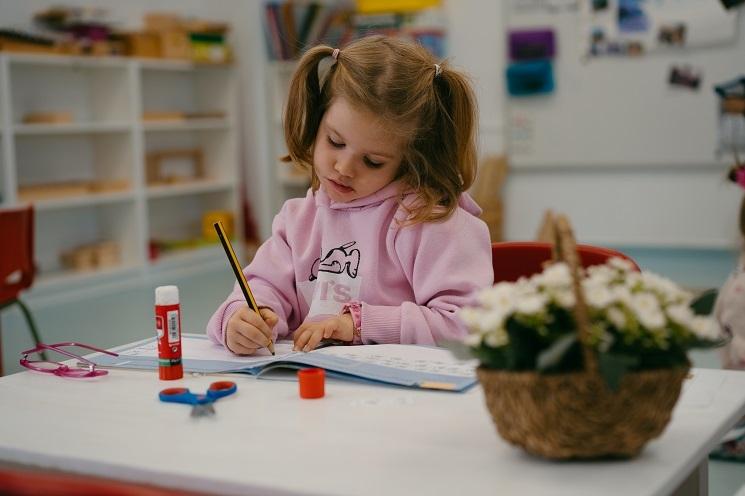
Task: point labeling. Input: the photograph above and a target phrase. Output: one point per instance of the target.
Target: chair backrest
(16, 251)
(514, 259)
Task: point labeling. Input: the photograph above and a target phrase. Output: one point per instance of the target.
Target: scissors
(201, 403)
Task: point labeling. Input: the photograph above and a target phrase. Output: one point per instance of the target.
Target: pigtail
(457, 111)
(447, 145)
(306, 102)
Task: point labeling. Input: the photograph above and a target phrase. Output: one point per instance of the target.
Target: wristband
(354, 309)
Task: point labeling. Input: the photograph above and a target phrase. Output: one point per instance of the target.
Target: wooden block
(162, 21)
(175, 44)
(155, 162)
(163, 115)
(108, 185)
(216, 114)
(34, 192)
(107, 254)
(142, 44)
(81, 258)
(58, 117)
(92, 256)
(733, 105)
(203, 26)
(21, 47)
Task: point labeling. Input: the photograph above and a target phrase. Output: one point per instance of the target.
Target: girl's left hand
(309, 334)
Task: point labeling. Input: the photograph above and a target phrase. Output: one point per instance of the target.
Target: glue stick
(168, 326)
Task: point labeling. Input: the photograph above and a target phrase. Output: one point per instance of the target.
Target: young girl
(386, 246)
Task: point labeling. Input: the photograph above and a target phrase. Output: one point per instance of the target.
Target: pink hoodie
(410, 280)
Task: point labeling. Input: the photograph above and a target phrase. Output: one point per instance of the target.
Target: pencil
(242, 282)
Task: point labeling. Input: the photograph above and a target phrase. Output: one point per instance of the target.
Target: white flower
(531, 304)
(472, 340)
(600, 274)
(554, 276)
(617, 317)
(647, 309)
(632, 280)
(500, 297)
(491, 319)
(705, 328)
(669, 290)
(564, 298)
(597, 295)
(470, 316)
(680, 314)
(621, 264)
(496, 338)
(621, 294)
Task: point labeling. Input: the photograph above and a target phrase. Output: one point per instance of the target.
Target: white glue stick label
(172, 322)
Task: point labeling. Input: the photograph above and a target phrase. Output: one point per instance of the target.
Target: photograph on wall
(636, 27)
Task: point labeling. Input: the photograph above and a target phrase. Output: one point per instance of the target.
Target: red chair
(16, 262)
(27, 481)
(514, 259)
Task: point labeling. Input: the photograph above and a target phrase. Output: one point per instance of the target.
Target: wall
(645, 211)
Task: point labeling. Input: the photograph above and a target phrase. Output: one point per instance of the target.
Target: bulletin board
(616, 109)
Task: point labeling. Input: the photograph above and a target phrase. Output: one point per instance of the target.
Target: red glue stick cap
(311, 382)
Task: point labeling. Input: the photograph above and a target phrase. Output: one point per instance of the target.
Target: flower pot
(575, 415)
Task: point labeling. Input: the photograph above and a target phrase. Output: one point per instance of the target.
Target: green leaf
(552, 355)
(613, 366)
(703, 304)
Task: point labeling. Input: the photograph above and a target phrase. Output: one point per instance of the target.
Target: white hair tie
(335, 54)
(438, 70)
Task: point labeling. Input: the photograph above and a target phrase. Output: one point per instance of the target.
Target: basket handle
(565, 249)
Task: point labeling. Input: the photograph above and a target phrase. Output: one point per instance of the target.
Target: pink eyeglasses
(60, 369)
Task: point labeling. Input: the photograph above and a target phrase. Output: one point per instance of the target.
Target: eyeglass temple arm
(57, 347)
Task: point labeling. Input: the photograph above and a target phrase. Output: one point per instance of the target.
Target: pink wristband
(354, 309)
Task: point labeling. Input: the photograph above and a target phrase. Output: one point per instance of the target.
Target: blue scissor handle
(216, 391)
(220, 389)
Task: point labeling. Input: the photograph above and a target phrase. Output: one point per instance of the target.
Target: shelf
(103, 140)
(74, 128)
(157, 64)
(70, 277)
(83, 200)
(66, 60)
(192, 125)
(191, 256)
(190, 188)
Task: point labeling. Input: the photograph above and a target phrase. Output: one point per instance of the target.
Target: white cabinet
(78, 135)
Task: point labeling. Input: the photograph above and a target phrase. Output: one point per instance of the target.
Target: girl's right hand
(248, 331)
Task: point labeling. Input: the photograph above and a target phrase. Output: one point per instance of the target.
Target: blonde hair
(398, 81)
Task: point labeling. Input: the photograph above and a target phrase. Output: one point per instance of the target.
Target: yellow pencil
(242, 282)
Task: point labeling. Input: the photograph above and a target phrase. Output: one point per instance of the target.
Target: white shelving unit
(289, 182)
(107, 142)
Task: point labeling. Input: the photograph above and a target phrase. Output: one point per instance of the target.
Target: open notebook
(394, 364)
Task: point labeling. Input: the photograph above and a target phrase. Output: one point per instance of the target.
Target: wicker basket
(575, 415)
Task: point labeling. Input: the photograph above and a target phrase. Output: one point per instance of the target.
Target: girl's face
(354, 155)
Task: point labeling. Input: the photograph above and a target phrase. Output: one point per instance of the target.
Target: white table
(359, 439)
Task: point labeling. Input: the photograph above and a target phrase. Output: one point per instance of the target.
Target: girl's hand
(247, 331)
(308, 335)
